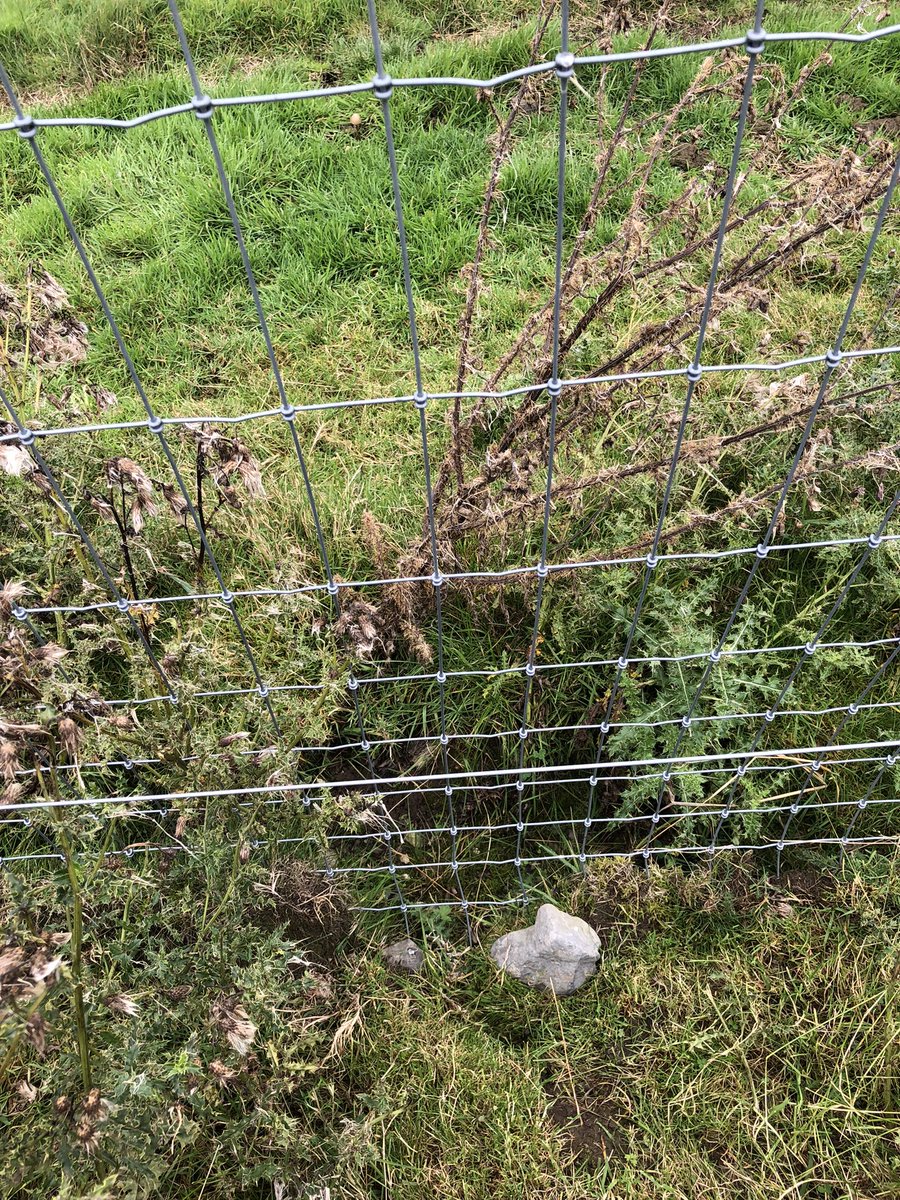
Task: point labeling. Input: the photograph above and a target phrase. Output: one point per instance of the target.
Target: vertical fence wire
(447, 781)
(28, 131)
(754, 43)
(203, 109)
(875, 540)
(564, 69)
(852, 711)
(383, 89)
(832, 361)
(863, 801)
(29, 441)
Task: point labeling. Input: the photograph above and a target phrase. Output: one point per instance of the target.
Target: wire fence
(516, 846)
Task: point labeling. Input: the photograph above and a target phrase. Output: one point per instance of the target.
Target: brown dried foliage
(497, 497)
(40, 326)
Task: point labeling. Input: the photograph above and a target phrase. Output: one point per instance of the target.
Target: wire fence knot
(564, 64)
(203, 107)
(139, 611)
(25, 126)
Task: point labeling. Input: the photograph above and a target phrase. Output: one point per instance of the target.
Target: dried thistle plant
(15, 460)
(222, 1074)
(128, 502)
(11, 593)
(70, 736)
(40, 325)
(88, 1128)
(9, 759)
(120, 1002)
(233, 1020)
(26, 670)
(27, 1091)
(30, 969)
(362, 627)
(135, 489)
(225, 462)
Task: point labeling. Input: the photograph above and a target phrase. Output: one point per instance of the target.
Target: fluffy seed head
(232, 1018)
(10, 595)
(119, 1002)
(69, 736)
(9, 759)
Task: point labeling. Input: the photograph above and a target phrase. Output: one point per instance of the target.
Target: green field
(220, 1023)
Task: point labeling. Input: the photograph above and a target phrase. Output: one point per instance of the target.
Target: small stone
(404, 956)
(557, 953)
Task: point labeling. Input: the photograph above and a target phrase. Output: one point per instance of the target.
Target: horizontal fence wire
(790, 364)
(671, 782)
(356, 783)
(22, 124)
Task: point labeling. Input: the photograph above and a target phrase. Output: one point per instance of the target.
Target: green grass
(728, 1046)
(738, 1039)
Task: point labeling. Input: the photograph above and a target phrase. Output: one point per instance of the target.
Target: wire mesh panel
(624, 745)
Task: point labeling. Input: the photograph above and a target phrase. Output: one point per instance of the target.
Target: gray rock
(404, 956)
(557, 953)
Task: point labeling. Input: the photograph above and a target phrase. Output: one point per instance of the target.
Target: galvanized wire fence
(516, 841)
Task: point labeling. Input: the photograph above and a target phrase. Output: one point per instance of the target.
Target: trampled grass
(739, 1037)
